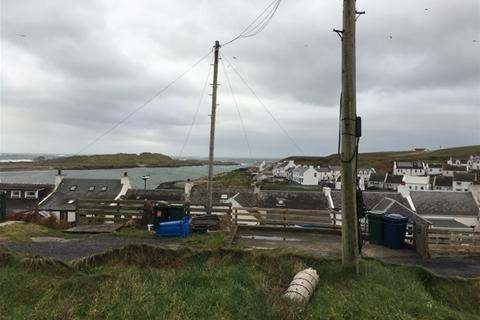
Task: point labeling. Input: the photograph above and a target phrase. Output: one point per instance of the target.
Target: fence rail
(453, 242)
(94, 211)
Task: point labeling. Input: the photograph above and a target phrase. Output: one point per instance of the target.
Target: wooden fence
(91, 211)
(108, 211)
(280, 217)
(453, 242)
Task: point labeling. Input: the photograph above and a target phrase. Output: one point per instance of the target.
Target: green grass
(24, 231)
(147, 283)
(107, 161)
(233, 179)
(383, 161)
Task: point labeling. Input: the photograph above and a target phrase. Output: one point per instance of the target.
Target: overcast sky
(73, 69)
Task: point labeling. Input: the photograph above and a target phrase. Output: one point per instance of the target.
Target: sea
(157, 175)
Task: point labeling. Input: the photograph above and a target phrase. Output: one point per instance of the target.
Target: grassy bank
(383, 161)
(106, 161)
(147, 283)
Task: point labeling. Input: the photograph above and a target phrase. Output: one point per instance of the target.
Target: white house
(365, 173)
(449, 170)
(392, 181)
(279, 170)
(411, 168)
(62, 201)
(377, 181)
(462, 181)
(307, 176)
(433, 169)
(323, 174)
(458, 162)
(441, 183)
(474, 163)
(446, 209)
(416, 183)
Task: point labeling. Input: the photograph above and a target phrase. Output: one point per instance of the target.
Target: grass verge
(141, 282)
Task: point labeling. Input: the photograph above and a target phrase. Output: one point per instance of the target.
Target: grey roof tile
(444, 203)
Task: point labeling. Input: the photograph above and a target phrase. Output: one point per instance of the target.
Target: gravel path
(79, 248)
(467, 267)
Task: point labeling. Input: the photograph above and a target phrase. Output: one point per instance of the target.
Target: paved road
(315, 244)
(79, 248)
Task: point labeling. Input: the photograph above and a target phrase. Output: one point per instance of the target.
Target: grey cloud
(93, 62)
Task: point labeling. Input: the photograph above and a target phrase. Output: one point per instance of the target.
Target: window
(410, 187)
(104, 188)
(73, 188)
(314, 174)
(91, 188)
(421, 188)
(15, 194)
(31, 195)
(459, 183)
(71, 201)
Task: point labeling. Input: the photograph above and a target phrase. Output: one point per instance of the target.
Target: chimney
(58, 178)
(125, 181)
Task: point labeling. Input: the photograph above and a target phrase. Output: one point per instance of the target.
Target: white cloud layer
(72, 69)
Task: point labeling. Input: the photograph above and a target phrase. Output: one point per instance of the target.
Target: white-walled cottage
(411, 168)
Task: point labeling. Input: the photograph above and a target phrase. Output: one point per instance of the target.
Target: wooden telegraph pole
(212, 130)
(348, 136)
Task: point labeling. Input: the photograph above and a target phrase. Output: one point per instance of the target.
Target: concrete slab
(7, 223)
(317, 244)
(375, 251)
(95, 228)
(48, 239)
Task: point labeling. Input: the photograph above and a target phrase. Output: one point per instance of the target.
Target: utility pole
(212, 130)
(348, 135)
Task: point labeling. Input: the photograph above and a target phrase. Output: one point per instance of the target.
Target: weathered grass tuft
(142, 282)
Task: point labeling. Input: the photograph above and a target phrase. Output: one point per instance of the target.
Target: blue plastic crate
(177, 228)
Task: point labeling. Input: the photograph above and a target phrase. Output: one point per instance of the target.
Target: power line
(264, 106)
(238, 111)
(259, 23)
(187, 138)
(140, 107)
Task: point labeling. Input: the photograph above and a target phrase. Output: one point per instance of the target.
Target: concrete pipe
(302, 286)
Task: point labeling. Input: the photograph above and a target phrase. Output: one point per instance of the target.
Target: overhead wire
(263, 105)
(187, 138)
(259, 23)
(140, 107)
(238, 110)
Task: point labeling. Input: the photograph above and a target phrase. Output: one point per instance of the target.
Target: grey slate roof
(377, 177)
(21, 205)
(199, 193)
(444, 203)
(371, 198)
(292, 199)
(409, 165)
(63, 194)
(394, 178)
(446, 223)
(247, 199)
(447, 167)
(155, 194)
(442, 181)
(435, 165)
(466, 177)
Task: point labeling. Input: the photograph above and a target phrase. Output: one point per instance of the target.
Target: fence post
(236, 216)
(284, 226)
(76, 212)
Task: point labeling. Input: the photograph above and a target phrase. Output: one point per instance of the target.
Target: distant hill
(105, 161)
(383, 161)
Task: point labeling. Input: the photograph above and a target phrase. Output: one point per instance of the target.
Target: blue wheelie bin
(394, 229)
